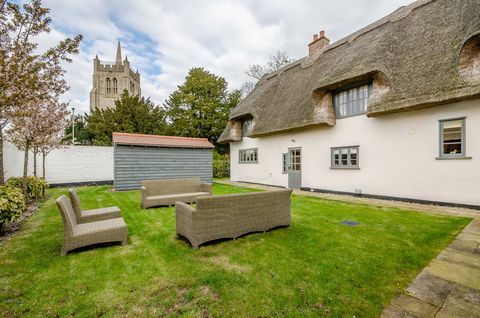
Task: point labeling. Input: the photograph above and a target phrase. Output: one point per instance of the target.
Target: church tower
(110, 79)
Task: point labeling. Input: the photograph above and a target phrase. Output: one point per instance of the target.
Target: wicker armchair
(78, 235)
(85, 216)
(230, 216)
(169, 191)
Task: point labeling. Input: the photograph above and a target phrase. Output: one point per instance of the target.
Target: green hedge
(12, 204)
(221, 168)
(35, 186)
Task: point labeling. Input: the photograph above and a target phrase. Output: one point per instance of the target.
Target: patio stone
(408, 306)
(473, 227)
(458, 273)
(468, 246)
(461, 303)
(459, 257)
(430, 289)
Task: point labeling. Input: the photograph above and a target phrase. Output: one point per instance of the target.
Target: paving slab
(430, 289)
(461, 303)
(459, 257)
(408, 306)
(467, 246)
(457, 273)
(473, 227)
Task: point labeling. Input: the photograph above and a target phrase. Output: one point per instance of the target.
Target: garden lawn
(315, 267)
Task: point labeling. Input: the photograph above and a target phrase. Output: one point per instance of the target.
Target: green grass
(315, 267)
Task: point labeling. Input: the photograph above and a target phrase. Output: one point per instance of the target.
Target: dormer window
(246, 126)
(352, 101)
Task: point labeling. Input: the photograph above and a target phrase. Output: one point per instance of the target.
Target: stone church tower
(110, 80)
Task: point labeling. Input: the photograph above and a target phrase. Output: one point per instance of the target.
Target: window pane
(452, 137)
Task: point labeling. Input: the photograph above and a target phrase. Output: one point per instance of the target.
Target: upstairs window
(109, 87)
(345, 157)
(452, 138)
(248, 155)
(115, 87)
(246, 126)
(352, 101)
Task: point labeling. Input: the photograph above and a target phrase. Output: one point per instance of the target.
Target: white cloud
(164, 39)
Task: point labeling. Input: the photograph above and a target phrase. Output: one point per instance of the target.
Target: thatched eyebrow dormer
(414, 57)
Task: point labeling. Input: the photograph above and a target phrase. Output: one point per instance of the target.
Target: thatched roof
(413, 54)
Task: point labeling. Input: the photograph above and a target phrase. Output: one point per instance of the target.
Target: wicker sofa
(230, 216)
(78, 235)
(85, 216)
(169, 191)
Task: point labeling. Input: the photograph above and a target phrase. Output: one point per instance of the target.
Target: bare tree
(26, 75)
(257, 71)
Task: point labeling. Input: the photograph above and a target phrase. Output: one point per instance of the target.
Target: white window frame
(248, 155)
(246, 126)
(337, 163)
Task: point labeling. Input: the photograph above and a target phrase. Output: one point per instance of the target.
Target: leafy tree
(257, 71)
(36, 127)
(200, 106)
(132, 114)
(27, 76)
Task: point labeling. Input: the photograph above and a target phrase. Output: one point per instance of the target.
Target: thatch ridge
(415, 50)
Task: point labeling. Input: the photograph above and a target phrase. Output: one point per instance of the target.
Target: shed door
(294, 168)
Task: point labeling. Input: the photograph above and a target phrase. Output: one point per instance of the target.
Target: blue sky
(164, 39)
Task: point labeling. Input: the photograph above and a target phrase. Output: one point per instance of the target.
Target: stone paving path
(450, 285)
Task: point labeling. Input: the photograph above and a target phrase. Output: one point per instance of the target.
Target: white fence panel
(70, 164)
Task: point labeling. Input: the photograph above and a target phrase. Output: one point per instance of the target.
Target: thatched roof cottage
(391, 110)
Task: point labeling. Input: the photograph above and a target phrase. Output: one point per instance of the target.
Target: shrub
(12, 204)
(35, 186)
(221, 168)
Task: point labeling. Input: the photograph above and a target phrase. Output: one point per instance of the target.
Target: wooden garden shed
(138, 157)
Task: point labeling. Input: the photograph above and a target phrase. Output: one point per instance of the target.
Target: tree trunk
(25, 169)
(35, 151)
(43, 170)
(44, 155)
(2, 173)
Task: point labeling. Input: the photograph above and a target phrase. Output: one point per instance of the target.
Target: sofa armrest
(206, 187)
(183, 209)
(144, 195)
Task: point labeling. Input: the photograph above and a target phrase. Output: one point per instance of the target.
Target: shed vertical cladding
(132, 164)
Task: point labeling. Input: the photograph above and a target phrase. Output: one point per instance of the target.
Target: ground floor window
(344, 157)
(248, 155)
(452, 138)
(284, 162)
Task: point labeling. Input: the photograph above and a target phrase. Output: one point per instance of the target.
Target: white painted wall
(397, 156)
(65, 165)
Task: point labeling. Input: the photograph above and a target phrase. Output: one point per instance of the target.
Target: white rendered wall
(65, 165)
(396, 156)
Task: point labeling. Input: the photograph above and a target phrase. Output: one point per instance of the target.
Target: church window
(115, 87)
(109, 88)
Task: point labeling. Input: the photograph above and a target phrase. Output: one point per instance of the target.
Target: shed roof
(160, 141)
(416, 49)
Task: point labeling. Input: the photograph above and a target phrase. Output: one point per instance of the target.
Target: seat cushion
(176, 196)
(99, 226)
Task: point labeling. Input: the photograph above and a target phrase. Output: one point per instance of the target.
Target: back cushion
(172, 186)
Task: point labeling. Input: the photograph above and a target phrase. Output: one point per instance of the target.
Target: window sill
(345, 168)
(452, 158)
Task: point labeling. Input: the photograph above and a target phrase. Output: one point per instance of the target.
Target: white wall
(65, 165)
(396, 156)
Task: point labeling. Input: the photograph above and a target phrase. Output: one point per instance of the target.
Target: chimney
(319, 42)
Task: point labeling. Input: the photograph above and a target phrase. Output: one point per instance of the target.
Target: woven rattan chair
(230, 216)
(169, 191)
(85, 216)
(78, 235)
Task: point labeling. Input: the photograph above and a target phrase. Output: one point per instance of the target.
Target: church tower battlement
(110, 79)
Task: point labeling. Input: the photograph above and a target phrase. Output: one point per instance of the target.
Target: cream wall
(397, 156)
